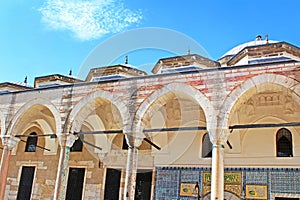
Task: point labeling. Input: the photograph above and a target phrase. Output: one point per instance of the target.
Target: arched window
(284, 143)
(31, 142)
(206, 146)
(77, 146)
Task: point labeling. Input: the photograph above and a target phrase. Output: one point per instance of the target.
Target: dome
(240, 47)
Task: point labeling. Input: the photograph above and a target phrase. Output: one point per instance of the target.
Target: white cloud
(89, 19)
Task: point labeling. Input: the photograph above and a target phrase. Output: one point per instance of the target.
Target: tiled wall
(287, 180)
(166, 186)
(278, 180)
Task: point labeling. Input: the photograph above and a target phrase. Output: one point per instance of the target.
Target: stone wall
(64, 109)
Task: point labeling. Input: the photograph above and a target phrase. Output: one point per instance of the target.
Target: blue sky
(53, 36)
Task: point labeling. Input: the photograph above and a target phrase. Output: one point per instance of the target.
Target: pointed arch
(254, 82)
(75, 122)
(82, 110)
(190, 91)
(38, 101)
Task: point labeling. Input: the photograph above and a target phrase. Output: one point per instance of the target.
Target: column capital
(218, 136)
(66, 140)
(9, 141)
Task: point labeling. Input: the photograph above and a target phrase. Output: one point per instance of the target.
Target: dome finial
(126, 59)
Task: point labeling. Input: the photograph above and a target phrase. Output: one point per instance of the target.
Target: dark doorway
(25, 186)
(112, 184)
(143, 185)
(75, 184)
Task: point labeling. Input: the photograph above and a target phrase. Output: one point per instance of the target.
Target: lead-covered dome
(259, 51)
(240, 47)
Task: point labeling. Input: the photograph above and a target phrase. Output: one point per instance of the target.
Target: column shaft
(9, 142)
(63, 165)
(5, 160)
(131, 171)
(66, 141)
(217, 172)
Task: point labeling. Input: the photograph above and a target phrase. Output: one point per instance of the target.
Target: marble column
(131, 167)
(218, 139)
(9, 142)
(217, 172)
(66, 141)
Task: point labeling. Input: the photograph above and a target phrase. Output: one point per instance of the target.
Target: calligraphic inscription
(229, 178)
(257, 191)
(232, 182)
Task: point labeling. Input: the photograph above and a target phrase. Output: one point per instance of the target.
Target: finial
(189, 51)
(126, 60)
(25, 80)
(70, 73)
(267, 38)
